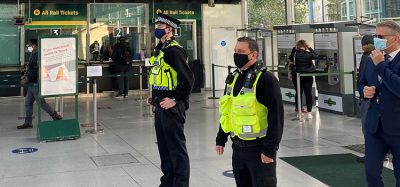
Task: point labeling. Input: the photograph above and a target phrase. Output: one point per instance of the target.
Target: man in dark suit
(380, 83)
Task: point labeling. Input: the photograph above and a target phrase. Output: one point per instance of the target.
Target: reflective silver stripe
(162, 88)
(247, 90)
(252, 135)
(164, 20)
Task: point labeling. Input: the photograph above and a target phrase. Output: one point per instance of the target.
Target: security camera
(211, 3)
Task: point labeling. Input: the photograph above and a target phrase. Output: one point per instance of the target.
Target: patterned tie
(387, 58)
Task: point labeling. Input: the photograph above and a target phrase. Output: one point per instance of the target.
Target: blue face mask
(159, 33)
(380, 44)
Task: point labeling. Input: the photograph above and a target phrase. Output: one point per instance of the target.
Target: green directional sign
(330, 102)
(290, 95)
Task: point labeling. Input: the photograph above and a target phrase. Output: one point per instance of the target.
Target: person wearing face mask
(32, 93)
(380, 84)
(251, 113)
(172, 81)
(302, 56)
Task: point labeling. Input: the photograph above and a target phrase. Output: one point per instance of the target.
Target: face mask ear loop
(390, 44)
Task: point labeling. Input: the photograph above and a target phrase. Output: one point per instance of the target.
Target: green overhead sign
(179, 10)
(57, 12)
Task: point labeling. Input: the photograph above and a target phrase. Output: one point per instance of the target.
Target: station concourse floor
(126, 154)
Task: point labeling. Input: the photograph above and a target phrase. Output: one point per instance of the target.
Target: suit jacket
(385, 105)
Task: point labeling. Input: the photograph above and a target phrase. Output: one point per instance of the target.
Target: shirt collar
(393, 54)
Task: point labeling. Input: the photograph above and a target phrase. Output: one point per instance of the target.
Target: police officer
(251, 113)
(172, 82)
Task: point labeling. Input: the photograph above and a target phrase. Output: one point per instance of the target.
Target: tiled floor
(127, 132)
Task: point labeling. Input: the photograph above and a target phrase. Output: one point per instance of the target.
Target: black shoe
(361, 159)
(119, 96)
(56, 116)
(25, 126)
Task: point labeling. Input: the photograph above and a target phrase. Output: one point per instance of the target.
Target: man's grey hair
(393, 26)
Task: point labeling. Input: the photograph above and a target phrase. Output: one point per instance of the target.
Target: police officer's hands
(149, 101)
(369, 92)
(167, 103)
(219, 149)
(265, 159)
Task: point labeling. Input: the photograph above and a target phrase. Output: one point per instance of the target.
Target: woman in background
(302, 56)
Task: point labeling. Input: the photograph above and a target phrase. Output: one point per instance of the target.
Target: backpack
(125, 56)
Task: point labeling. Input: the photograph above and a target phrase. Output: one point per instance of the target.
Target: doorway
(223, 41)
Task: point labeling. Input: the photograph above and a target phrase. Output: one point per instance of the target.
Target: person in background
(95, 49)
(122, 57)
(251, 113)
(32, 93)
(367, 43)
(106, 52)
(302, 56)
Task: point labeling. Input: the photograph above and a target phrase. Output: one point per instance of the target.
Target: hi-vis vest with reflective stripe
(243, 116)
(162, 75)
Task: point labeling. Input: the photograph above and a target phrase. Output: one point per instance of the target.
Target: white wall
(218, 16)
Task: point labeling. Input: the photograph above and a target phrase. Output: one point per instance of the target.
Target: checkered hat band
(163, 20)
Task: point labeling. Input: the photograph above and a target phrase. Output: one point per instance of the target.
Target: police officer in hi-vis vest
(172, 82)
(251, 112)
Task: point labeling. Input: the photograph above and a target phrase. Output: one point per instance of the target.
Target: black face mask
(240, 59)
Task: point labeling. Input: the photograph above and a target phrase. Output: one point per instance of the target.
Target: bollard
(213, 82)
(298, 97)
(95, 130)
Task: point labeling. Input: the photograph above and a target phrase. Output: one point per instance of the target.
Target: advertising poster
(58, 66)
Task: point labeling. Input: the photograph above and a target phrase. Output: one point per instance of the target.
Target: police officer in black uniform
(253, 161)
(172, 82)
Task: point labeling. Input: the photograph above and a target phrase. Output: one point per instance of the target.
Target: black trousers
(248, 169)
(123, 83)
(171, 143)
(306, 87)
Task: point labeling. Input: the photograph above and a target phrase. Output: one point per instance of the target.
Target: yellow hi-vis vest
(162, 76)
(243, 116)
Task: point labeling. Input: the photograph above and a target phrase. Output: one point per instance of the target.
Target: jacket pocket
(244, 106)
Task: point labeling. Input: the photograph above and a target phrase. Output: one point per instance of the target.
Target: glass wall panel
(267, 12)
(334, 10)
(379, 10)
(301, 11)
(9, 35)
(111, 21)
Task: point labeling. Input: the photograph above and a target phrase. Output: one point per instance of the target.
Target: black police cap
(162, 18)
